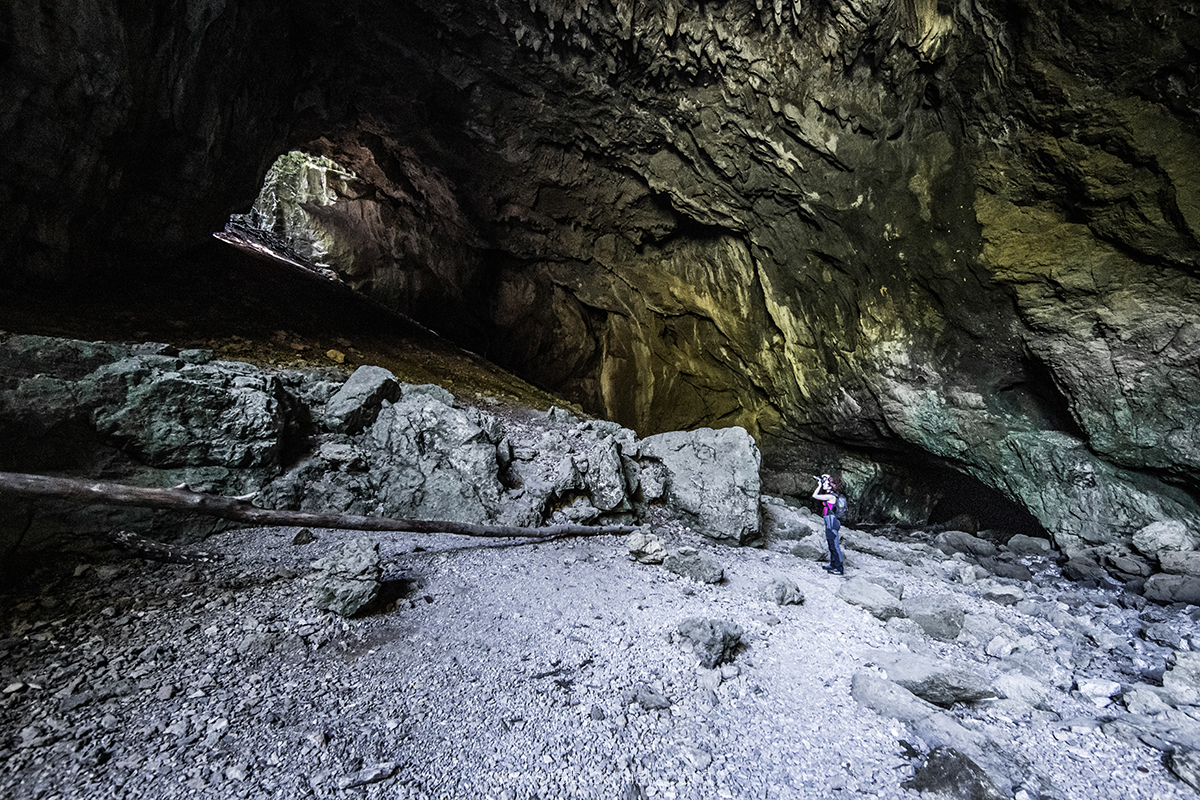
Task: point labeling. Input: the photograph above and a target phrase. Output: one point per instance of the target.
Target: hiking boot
(837, 572)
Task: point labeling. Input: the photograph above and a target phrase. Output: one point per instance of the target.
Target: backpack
(839, 507)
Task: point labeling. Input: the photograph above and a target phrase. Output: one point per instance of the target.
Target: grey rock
(652, 480)
(894, 587)
(712, 641)
(1164, 536)
(1182, 563)
(645, 548)
(188, 415)
(936, 727)
(433, 462)
(1166, 588)
(1002, 568)
(1144, 700)
(1085, 567)
(811, 549)
(945, 772)
(783, 592)
(1163, 633)
(877, 600)
(577, 475)
(1098, 692)
(999, 593)
(303, 536)
(651, 700)
(1181, 680)
(1131, 565)
(691, 563)
(713, 479)
(940, 616)
(347, 581)
(1184, 763)
(556, 414)
(368, 775)
(604, 478)
(436, 393)
(699, 759)
(1027, 689)
(343, 456)
(939, 683)
(782, 521)
(959, 542)
(1022, 545)
(196, 356)
(356, 405)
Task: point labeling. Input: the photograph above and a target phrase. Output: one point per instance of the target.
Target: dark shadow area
(212, 291)
(391, 590)
(962, 496)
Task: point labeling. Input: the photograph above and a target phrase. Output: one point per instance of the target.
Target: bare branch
(237, 510)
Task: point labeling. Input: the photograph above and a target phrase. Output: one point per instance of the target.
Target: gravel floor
(497, 670)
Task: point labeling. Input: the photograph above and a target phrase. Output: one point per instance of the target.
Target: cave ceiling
(898, 236)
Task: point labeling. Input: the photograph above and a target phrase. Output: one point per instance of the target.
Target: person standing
(827, 493)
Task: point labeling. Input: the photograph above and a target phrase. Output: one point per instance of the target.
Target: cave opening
(964, 500)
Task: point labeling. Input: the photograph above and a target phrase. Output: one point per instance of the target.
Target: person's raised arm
(824, 497)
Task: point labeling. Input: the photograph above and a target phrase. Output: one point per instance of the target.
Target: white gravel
(503, 671)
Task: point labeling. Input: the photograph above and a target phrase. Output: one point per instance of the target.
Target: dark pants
(833, 537)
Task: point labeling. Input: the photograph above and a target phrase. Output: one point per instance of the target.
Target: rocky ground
(502, 669)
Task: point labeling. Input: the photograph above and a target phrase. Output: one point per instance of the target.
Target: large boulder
(939, 683)
(570, 471)
(1164, 537)
(1023, 545)
(434, 461)
(1165, 588)
(1181, 562)
(713, 480)
(143, 409)
(348, 580)
(172, 414)
(357, 403)
(940, 616)
(872, 597)
(712, 641)
(945, 772)
(936, 727)
(783, 521)
(1181, 680)
(951, 542)
(691, 563)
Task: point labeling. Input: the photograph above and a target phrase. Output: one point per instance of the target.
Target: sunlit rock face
(903, 240)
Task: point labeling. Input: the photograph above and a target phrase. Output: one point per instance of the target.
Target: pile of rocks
(317, 441)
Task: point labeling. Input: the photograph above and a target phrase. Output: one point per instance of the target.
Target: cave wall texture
(928, 242)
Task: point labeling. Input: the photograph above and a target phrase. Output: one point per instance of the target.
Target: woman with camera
(827, 493)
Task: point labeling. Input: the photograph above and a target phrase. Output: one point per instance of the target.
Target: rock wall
(907, 238)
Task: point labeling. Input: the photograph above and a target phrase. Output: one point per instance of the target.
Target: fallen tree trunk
(238, 510)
